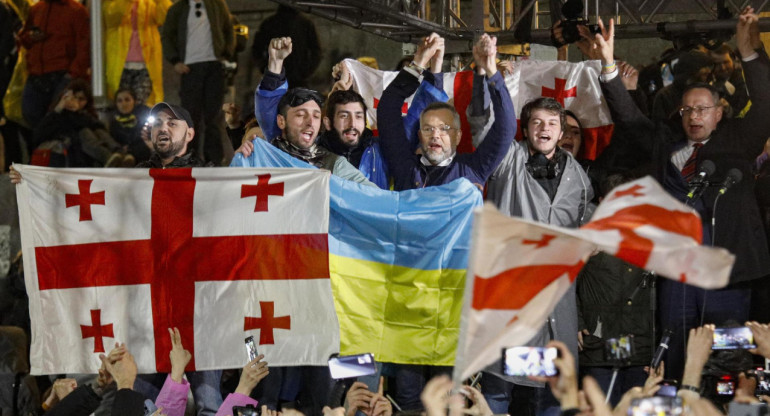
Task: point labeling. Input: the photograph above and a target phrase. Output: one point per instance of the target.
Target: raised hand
(123, 371)
(761, 334)
(253, 372)
(359, 398)
(629, 75)
(279, 49)
(179, 356)
(747, 32)
(485, 54)
(437, 59)
(605, 42)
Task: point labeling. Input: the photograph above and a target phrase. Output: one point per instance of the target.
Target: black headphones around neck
(540, 167)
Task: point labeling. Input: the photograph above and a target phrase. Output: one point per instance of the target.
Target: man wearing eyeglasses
(440, 131)
(197, 37)
(676, 151)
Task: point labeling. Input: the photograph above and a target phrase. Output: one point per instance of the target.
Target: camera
(572, 11)
(529, 361)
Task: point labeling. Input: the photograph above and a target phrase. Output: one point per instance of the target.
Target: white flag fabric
(575, 85)
(120, 255)
(520, 269)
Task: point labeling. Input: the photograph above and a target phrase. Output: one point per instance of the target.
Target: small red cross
(84, 199)
(97, 331)
(558, 92)
(540, 243)
(404, 107)
(632, 192)
(266, 323)
(262, 190)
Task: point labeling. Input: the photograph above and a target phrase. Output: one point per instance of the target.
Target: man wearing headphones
(537, 180)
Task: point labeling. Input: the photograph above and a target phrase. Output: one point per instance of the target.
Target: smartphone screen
(667, 390)
(529, 361)
(733, 338)
(251, 348)
(352, 366)
(619, 350)
(726, 388)
(656, 406)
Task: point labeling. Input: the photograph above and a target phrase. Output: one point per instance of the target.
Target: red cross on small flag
(176, 248)
(559, 92)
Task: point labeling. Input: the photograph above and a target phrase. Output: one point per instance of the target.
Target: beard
(169, 149)
(341, 137)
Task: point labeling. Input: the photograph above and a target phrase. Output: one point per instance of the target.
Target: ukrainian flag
(397, 262)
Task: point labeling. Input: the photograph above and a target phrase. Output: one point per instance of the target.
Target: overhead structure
(522, 21)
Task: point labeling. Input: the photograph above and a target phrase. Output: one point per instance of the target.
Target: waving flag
(520, 269)
(122, 255)
(574, 85)
(397, 262)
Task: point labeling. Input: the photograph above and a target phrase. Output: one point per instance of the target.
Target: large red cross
(266, 322)
(172, 261)
(262, 190)
(84, 199)
(558, 92)
(97, 331)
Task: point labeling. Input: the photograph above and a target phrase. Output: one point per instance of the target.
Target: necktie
(688, 171)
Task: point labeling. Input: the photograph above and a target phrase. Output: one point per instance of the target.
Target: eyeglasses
(442, 129)
(697, 111)
(299, 96)
(198, 11)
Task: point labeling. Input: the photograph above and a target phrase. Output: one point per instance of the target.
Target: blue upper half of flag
(427, 229)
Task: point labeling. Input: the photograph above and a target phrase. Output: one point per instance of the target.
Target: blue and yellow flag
(397, 262)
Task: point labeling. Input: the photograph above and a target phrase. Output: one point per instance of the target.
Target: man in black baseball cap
(171, 129)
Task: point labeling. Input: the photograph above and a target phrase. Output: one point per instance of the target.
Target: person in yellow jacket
(133, 52)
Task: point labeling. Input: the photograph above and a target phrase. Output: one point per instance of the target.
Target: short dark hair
(440, 105)
(341, 97)
(696, 85)
(78, 85)
(543, 103)
(296, 97)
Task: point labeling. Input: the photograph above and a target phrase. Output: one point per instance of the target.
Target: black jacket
(734, 144)
(188, 160)
(615, 295)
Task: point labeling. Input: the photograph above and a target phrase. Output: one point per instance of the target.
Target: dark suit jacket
(734, 144)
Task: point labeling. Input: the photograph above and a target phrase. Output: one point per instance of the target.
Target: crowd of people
(712, 109)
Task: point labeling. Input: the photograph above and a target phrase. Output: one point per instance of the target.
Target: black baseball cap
(178, 112)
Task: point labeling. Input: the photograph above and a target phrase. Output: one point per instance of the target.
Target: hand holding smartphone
(529, 361)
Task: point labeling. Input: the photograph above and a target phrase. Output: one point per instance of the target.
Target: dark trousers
(39, 92)
(202, 94)
(681, 307)
(627, 378)
(309, 387)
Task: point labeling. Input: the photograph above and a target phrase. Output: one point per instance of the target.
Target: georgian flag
(120, 255)
(520, 269)
(574, 85)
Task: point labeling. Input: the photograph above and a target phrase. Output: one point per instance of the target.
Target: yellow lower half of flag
(400, 314)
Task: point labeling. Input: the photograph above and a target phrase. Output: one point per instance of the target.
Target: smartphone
(251, 348)
(246, 411)
(733, 338)
(352, 366)
(656, 406)
(763, 381)
(619, 350)
(149, 407)
(529, 361)
(668, 388)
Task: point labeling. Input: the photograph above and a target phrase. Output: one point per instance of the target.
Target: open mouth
(307, 136)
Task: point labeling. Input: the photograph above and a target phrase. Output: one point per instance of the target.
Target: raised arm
(272, 87)
(754, 128)
(393, 139)
(498, 140)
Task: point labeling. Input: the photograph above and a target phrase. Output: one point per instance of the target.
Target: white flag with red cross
(120, 255)
(520, 269)
(574, 85)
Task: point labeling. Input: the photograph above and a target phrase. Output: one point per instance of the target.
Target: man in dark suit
(676, 150)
